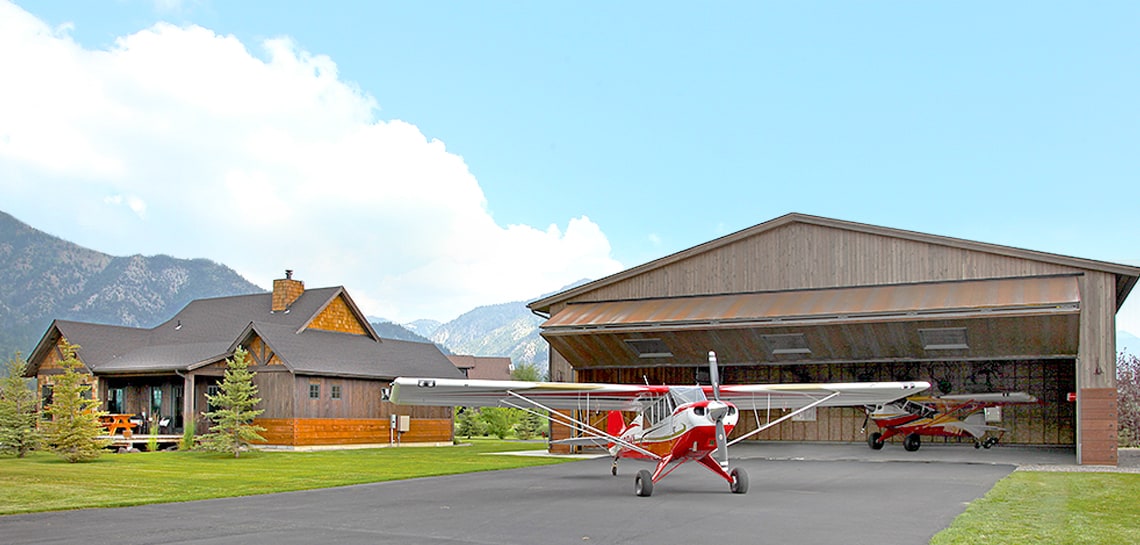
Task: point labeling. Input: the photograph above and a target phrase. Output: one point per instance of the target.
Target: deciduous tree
(1128, 399)
(233, 429)
(74, 430)
(18, 411)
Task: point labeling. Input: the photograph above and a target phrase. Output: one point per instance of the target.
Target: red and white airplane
(946, 416)
(674, 424)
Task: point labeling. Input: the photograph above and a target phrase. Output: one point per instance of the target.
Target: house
(484, 367)
(321, 368)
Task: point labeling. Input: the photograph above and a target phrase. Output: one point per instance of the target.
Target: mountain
(389, 330)
(43, 277)
(423, 327)
(1127, 342)
(506, 329)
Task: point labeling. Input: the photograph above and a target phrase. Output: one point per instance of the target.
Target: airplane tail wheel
(613, 470)
(739, 481)
(643, 483)
(912, 442)
(875, 441)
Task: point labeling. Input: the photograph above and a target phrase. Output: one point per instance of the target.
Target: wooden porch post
(188, 414)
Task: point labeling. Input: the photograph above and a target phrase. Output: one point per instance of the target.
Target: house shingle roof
(208, 330)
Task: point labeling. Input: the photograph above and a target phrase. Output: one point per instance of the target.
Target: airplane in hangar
(674, 424)
(959, 415)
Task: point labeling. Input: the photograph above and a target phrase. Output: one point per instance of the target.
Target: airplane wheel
(875, 441)
(990, 442)
(978, 444)
(643, 483)
(912, 442)
(613, 470)
(739, 481)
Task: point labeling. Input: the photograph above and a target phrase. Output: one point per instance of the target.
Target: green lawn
(1055, 508)
(44, 482)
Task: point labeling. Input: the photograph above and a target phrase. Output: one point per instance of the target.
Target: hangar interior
(809, 299)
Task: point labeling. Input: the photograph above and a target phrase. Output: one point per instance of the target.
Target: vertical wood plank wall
(812, 256)
(1096, 376)
(360, 416)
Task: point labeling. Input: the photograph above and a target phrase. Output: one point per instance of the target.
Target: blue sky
(613, 134)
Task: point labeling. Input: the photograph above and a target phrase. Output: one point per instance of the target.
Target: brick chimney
(286, 290)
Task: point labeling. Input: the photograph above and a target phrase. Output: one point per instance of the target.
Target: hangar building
(810, 299)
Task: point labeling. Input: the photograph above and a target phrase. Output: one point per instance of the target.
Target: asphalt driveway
(797, 500)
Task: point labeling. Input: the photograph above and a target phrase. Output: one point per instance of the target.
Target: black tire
(739, 481)
(643, 483)
(875, 441)
(978, 444)
(912, 442)
(613, 470)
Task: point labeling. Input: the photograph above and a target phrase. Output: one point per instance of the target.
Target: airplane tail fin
(615, 423)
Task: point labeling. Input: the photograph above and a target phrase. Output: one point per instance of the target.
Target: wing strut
(573, 423)
(771, 423)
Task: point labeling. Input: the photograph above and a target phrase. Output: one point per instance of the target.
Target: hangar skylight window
(649, 348)
(944, 338)
(790, 343)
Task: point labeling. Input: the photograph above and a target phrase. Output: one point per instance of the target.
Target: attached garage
(810, 299)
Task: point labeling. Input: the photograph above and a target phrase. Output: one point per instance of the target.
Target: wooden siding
(1050, 422)
(350, 431)
(1098, 426)
(801, 255)
(360, 398)
(337, 316)
(276, 392)
(1096, 440)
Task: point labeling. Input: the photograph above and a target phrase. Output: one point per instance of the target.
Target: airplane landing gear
(643, 483)
(989, 442)
(739, 483)
(613, 469)
(875, 441)
(912, 442)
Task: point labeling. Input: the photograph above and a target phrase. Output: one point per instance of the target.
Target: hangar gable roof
(1126, 275)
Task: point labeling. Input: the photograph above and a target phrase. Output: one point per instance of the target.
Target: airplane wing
(796, 396)
(505, 393)
(991, 398)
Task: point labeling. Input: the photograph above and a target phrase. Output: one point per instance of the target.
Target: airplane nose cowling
(717, 410)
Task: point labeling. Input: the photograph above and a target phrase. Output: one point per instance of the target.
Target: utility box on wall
(405, 423)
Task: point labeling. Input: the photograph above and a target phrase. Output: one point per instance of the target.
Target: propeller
(718, 411)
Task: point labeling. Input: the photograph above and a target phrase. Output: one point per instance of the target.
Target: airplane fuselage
(688, 433)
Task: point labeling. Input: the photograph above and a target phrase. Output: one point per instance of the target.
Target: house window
(45, 400)
(314, 391)
(115, 400)
(335, 391)
(211, 391)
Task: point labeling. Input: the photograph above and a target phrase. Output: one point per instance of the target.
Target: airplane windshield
(686, 394)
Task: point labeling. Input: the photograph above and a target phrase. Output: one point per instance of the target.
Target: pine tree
(233, 428)
(18, 412)
(74, 430)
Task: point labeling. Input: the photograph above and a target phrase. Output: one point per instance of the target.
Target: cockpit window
(686, 394)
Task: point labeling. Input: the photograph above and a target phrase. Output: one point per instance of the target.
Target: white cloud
(262, 164)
